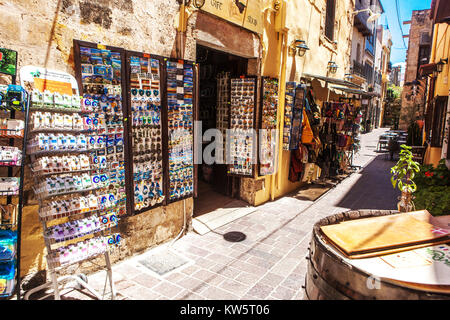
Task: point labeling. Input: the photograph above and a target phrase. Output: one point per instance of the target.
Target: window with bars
(329, 19)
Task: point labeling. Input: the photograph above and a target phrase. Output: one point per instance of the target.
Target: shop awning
(355, 91)
(426, 69)
(440, 11)
(331, 80)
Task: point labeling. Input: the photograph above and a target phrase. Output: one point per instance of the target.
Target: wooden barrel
(329, 277)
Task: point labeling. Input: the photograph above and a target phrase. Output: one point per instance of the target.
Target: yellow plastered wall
(305, 20)
(440, 50)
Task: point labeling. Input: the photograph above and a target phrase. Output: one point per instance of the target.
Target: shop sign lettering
(217, 4)
(245, 13)
(252, 20)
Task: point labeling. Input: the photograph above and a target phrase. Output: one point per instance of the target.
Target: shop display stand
(254, 166)
(269, 139)
(17, 225)
(146, 80)
(85, 234)
(180, 93)
(50, 244)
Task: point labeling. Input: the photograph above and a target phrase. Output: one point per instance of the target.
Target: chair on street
(383, 142)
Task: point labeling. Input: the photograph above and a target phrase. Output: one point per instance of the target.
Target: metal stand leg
(55, 286)
(109, 274)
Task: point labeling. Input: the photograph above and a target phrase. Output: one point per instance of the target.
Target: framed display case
(180, 79)
(268, 124)
(146, 97)
(242, 139)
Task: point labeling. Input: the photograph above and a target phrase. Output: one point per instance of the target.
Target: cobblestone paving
(270, 263)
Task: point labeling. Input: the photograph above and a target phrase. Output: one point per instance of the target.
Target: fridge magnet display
(146, 117)
(180, 91)
(242, 122)
(268, 133)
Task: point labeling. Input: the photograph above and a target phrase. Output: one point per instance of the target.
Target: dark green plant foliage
(433, 189)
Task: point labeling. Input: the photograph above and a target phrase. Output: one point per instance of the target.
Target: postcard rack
(12, 129)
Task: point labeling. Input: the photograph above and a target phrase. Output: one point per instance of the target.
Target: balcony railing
(360, 21)
(365, 71)
(378, 78)
(358, 69)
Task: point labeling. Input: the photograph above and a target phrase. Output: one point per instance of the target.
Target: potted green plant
(403, 174)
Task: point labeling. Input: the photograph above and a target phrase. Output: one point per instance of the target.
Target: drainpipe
(275, 179)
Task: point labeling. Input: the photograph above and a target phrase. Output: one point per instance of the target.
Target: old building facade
(259, 39)
(419, 41)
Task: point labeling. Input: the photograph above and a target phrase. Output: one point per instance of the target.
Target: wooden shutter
(329, 19)
(439, 112)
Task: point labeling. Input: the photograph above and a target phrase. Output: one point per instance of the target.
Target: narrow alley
(270, 263)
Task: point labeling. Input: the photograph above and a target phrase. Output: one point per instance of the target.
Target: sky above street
(405, 8)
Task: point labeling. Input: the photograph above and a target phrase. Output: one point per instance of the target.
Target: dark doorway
(215, 187)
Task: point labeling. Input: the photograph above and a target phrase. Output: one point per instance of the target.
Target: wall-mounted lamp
(298, 47)
(440, 65)
(332, 66)
(372, 15)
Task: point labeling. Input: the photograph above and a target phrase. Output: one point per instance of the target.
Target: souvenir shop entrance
(215, 187)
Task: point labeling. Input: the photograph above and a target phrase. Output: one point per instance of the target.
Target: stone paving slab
(270, 263)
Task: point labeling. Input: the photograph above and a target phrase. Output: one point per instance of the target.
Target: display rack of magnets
(269, 121)
(101, 80)
(145, 99)
(241, 141)
(180, 93)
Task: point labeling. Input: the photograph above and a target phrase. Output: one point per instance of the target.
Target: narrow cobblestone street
(270, 263)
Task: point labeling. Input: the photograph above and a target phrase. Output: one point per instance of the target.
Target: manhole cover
(163, 262)
(234, 236)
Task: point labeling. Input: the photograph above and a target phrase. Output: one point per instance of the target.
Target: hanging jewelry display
(145, 104)
(180, 86)
(242, 122)
(268, 133)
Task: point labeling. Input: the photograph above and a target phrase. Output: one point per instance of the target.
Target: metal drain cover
(163, 262)
(234, 236)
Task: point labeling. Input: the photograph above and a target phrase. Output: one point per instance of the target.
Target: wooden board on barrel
(331, 274)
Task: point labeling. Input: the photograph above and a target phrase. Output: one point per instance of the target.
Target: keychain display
(180, 90)
(78, 228)
(81, 250)
(73, 206)
(242, 114)
(268, 135)
(147, 131)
